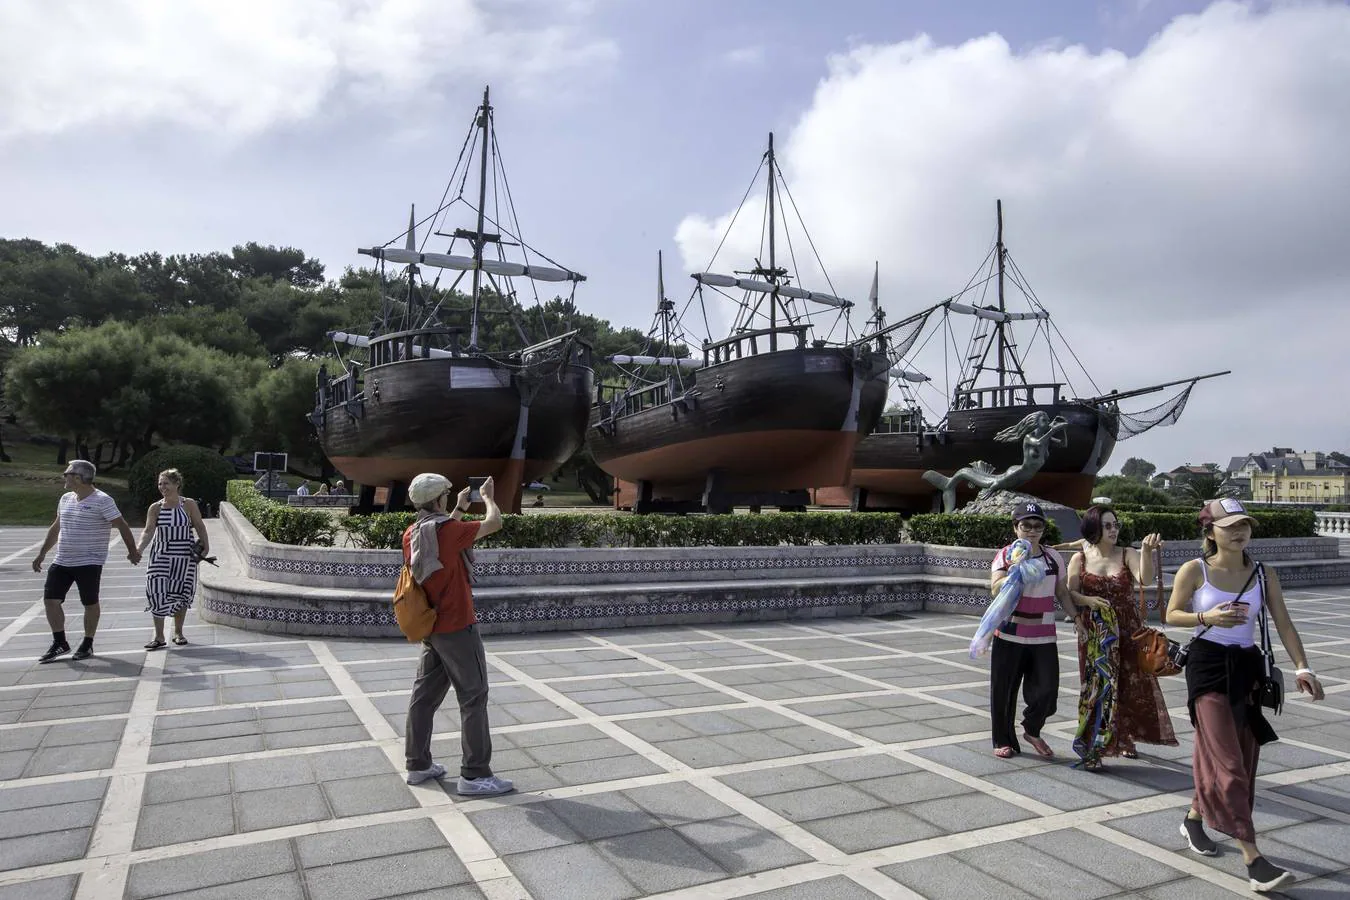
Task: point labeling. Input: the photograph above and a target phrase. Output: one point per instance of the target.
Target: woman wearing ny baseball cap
(1222, 596)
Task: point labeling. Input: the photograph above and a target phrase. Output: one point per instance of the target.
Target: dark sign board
(269, 462)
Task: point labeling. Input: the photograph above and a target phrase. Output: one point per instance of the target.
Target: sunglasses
(1114, 526)
(1031, 525)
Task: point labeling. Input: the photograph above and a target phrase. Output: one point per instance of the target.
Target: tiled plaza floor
(837, 759)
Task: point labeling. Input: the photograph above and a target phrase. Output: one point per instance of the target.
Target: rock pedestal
(1001, 503)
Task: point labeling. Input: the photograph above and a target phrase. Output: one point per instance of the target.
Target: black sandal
(156, 644)
(179, 640)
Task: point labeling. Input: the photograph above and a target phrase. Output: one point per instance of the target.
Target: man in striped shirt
(83, 516)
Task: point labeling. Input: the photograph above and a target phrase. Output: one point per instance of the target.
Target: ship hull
(773, 421)
(459, 418)
(890, 467)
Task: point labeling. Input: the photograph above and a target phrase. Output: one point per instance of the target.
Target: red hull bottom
(750, 461)
(510, 475)
(905, 489)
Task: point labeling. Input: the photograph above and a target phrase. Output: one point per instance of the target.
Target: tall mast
(773, 264)
(1002, 338)
(484, 117)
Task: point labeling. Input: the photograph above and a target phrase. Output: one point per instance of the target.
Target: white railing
(1333, 524)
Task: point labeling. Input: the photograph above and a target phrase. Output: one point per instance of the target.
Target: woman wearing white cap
(1223, 596)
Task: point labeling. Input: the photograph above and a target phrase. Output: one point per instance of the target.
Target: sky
(1173, 173)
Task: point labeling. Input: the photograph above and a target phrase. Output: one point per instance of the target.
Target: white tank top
(1207, 596)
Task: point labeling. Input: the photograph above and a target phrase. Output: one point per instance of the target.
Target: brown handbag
(1158, 655)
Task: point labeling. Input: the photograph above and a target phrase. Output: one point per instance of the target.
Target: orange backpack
(413, 612)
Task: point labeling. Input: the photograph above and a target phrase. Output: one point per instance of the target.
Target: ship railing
(997, 396)
(420, 343)
(620, 400)
(733, 347)
(900, 423)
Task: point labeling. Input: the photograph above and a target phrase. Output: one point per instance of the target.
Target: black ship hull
(458, 417)
(768, 422)
(889, 467)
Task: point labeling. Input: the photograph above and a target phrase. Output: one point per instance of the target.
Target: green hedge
(1182, 526)
(548, 530)
(280, 523)
(992, 532)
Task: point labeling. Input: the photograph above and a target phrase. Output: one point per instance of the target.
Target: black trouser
(1035, 669)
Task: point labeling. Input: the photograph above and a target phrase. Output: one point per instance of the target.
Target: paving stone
(776, 780)
(597, 770)
(945, 877)
(13, 764)
(338, 764)
(678, 804)
(911, 788)
(73, 791)
(261, 774)
(1030, 870)
(348, 844)
(859, 768)
(1050, 791)
(273, 887)
(659, 860)
(740, 846)
(1189, 889)
(1107, 861)
(953, 814)
(275, 807)
(385, 876)
(368, 794)
(214, 867)
(186, 783)
(554, 754)
(869, 830)
(836, 887)
(41, 849)
(702, 752)
(518, 829)
(316, 737)
(574, 872)
(755, 745)
(47, 889)
(820, 802)
(82, 733)
(206, 748)
(602, 815)
(76, 758)
(43, 819)
(184, 820)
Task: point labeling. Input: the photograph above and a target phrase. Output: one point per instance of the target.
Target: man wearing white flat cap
(438, 549)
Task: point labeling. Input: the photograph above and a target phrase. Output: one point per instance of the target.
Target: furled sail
(404, 256)
(908, 375)
(994, 315)
(712, 279)
(360, 340)
(682, 362)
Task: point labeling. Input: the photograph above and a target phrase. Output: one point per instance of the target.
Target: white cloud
(237, 68)
(1180, 210)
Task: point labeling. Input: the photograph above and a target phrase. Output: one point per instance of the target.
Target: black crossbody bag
(1271, 686)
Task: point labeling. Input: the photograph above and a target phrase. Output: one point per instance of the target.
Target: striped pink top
(1033, 621)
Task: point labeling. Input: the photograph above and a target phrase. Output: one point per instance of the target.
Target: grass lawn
(31, 485)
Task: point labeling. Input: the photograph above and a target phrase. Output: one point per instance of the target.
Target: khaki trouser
(457, 660)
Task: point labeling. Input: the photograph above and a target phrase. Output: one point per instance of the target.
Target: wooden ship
(993, 393)
(754, 418)
(417, 393)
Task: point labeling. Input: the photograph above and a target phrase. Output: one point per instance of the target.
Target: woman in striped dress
(172, 580)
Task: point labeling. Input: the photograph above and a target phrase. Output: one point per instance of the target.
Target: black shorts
(85, 578)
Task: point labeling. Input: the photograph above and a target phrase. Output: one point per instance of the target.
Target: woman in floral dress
(1120, 705)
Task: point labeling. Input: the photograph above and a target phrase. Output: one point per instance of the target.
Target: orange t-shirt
(448, 587)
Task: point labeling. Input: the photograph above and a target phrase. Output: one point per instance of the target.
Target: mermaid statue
(1037, 432)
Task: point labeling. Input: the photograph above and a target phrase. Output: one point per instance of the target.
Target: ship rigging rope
(696, 292)
(1031, 295)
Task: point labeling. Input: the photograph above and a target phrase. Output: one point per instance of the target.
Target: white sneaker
(484, 787)
(436, 771)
